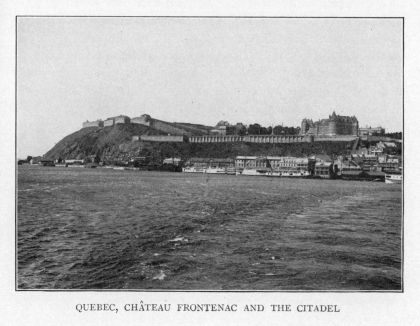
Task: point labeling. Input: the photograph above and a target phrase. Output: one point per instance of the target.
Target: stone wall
(157, 138)
(273, 139)
(97, 123)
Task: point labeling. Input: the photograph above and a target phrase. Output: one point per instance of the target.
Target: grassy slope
(96, 141)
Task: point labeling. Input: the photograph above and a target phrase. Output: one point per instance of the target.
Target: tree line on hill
(257, 129)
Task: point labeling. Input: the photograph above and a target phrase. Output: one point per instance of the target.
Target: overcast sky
(202, 70)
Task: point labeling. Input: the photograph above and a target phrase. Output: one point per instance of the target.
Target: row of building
(320, 166)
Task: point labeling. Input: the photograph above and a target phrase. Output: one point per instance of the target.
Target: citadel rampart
(97, 123)
(270, 139)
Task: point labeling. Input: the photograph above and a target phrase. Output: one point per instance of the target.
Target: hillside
(97, 141)
(114, 144)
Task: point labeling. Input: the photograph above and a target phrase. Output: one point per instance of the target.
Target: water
(107, 229)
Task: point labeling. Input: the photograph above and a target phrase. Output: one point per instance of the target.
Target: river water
(106, 229)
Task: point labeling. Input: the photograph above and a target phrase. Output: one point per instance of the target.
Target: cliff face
(114, 144)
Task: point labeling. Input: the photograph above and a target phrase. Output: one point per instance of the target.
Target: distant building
(384, 148)
(223, 128)
(333, 126)
(97, 123)
(369, 131)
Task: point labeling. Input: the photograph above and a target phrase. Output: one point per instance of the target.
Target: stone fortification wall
(121, 119)
(157, 138)
(109, 122)
(273, 139)
(97, 123)
(144, 120)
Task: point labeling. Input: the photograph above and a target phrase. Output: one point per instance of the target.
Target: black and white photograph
(213, 153)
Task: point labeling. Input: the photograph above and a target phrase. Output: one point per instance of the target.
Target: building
(369, 131)
(251, 162)
(333, 126)
(384, 147)
(224, 128)
(204, 163)
(323, 170)
(288, 164)
(98, 123)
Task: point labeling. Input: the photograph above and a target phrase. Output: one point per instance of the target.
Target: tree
(254, 129)
(278, 130)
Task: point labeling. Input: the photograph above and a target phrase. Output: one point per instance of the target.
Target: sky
(202, 70)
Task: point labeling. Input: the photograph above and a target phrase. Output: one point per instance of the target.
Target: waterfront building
(323, 169)
(288, 164)
(280, 164)
(252, 162)
(204, 163)
(333, 126)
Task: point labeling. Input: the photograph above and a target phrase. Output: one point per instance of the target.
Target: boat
(231, 170)
(295, 174)
(393, 177)
(215, 170)
(273, 174)
(193, 169)
(258, 172)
